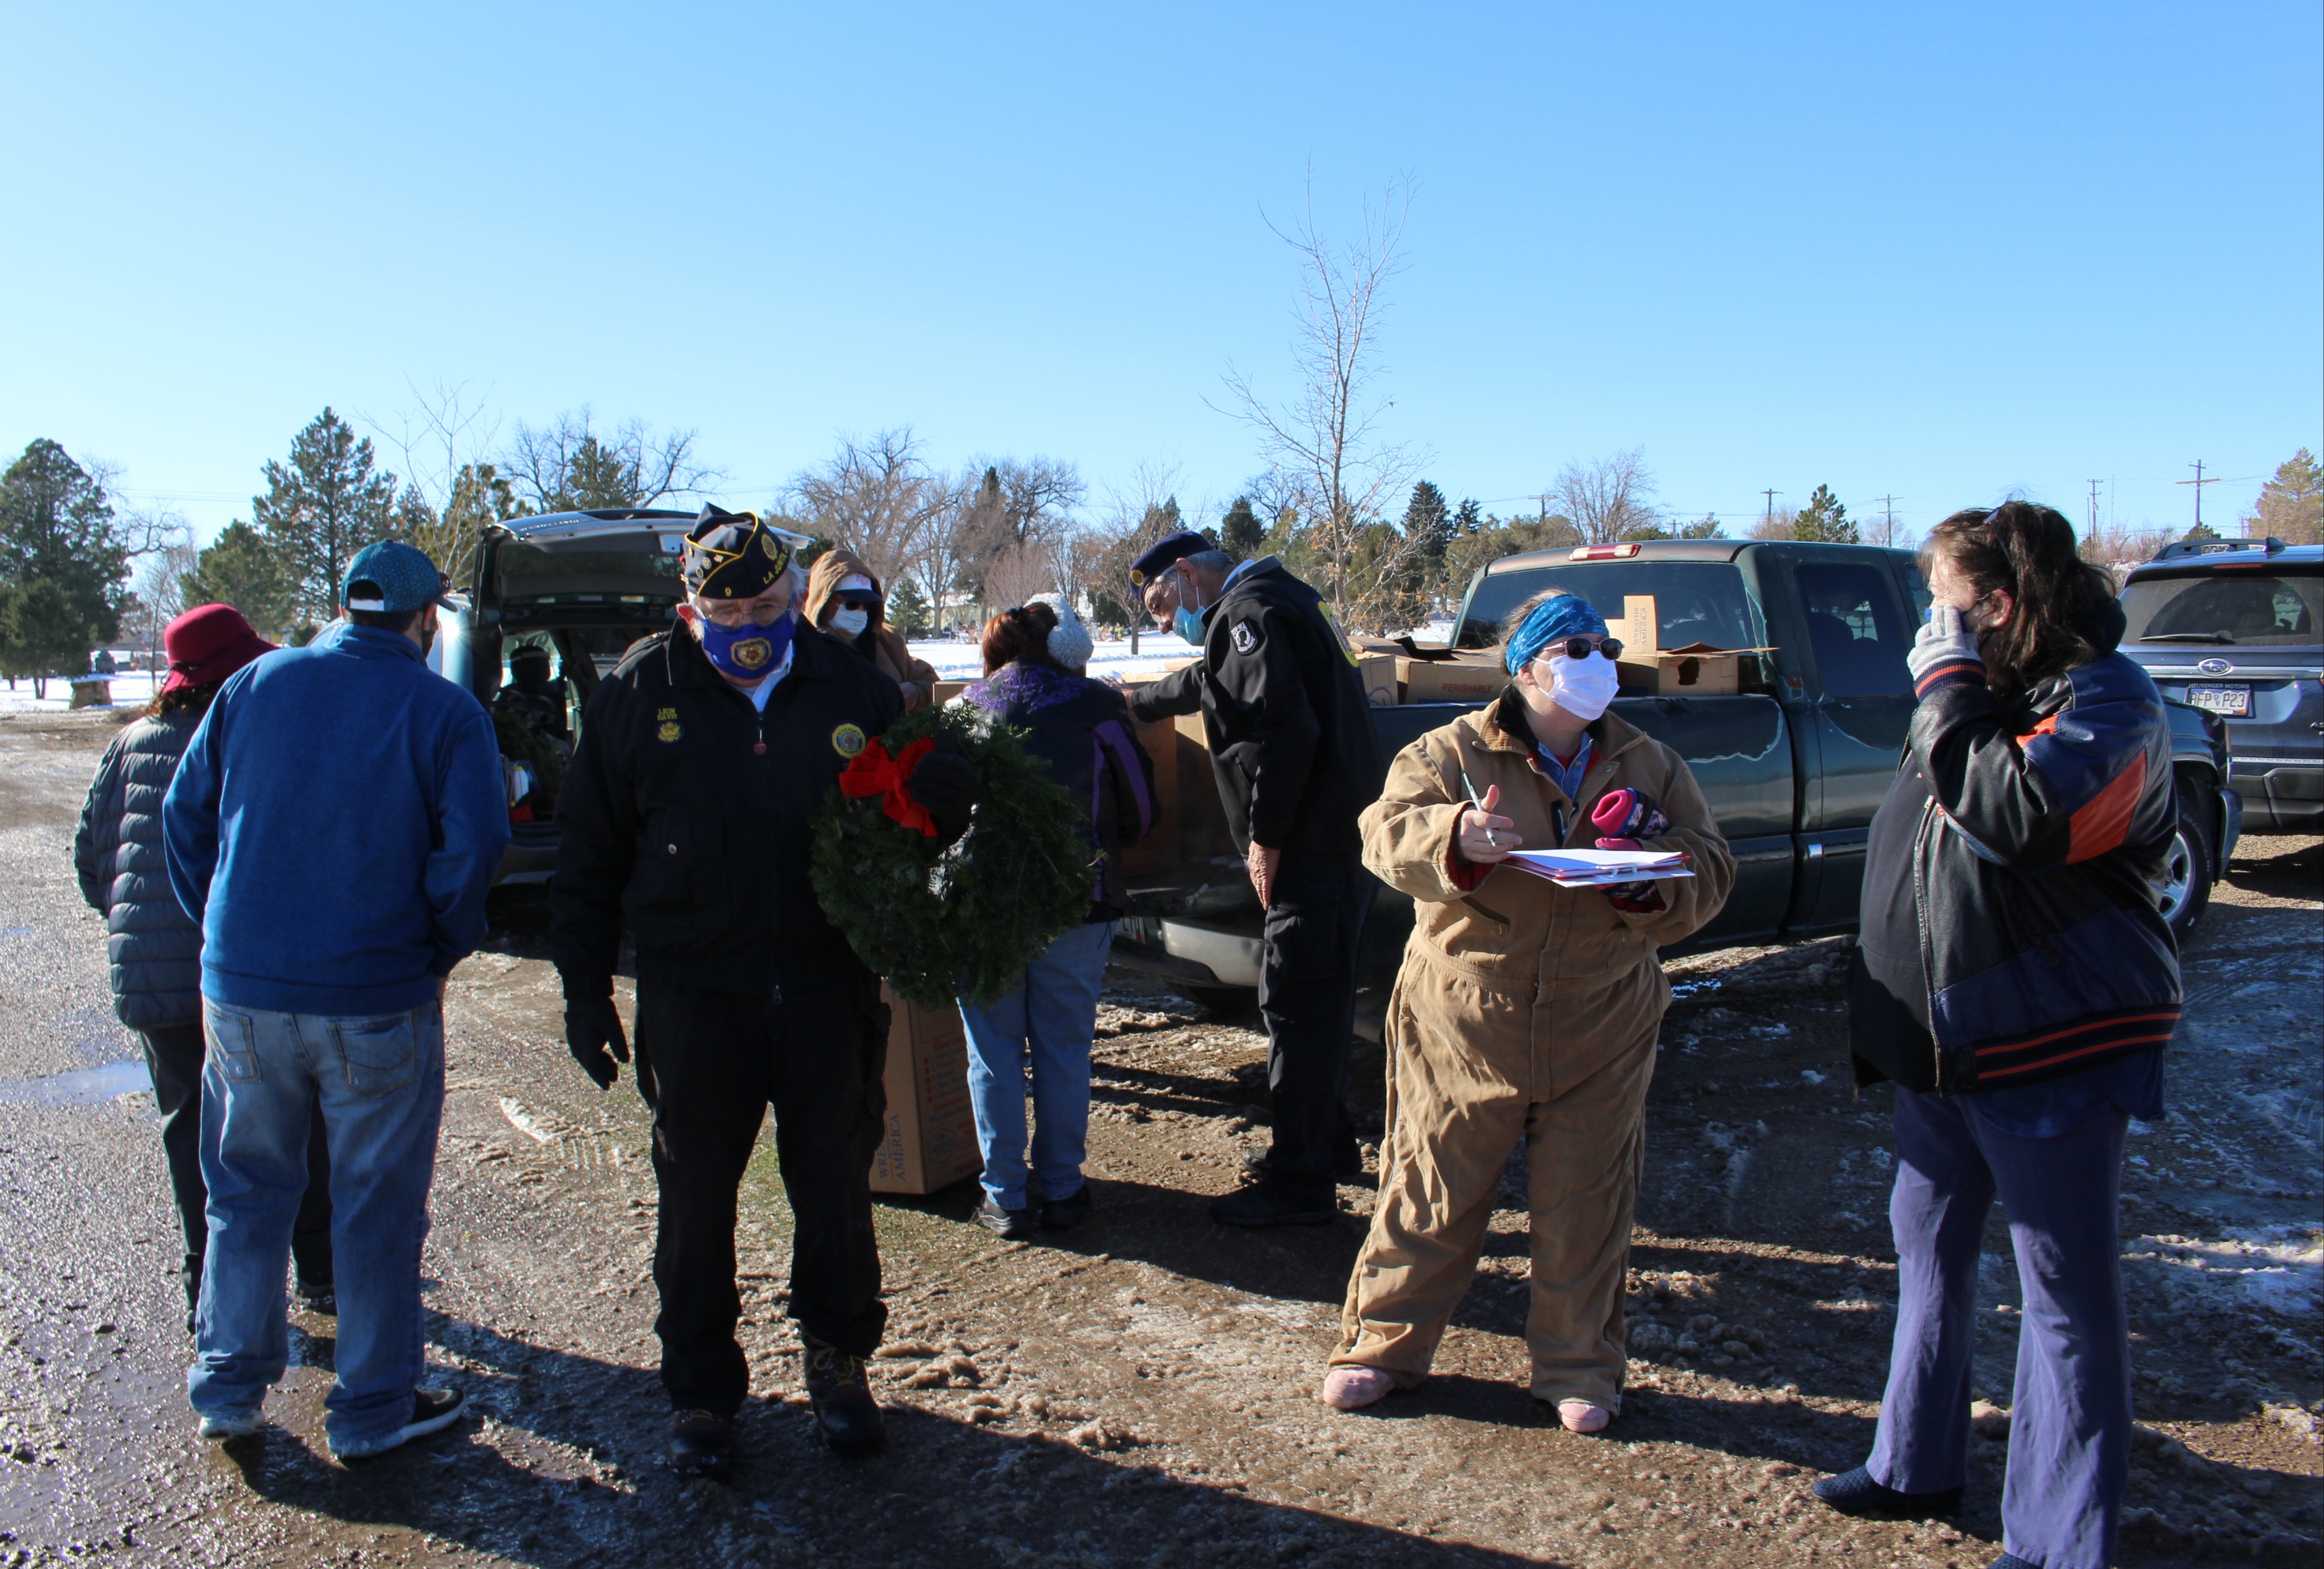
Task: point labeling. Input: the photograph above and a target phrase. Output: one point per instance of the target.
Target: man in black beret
(702, 759)
(1292, 745)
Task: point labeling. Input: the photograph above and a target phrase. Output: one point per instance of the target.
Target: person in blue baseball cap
(334, 827)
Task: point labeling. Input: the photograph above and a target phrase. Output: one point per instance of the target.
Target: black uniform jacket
(687, 810)
(1290, 730)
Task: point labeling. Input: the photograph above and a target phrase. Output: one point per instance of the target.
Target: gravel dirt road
(1141, 1391)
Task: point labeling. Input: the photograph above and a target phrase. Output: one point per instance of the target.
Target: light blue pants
(379, 1081)
(1046, 1022)
(2070, 1414)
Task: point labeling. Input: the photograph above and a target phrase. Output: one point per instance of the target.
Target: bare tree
(442, 432)
(875, 497)
(1011, 507)
(1777, 523)
(166, 557)
(566, 466)
(1325, 442)
(1607, 497)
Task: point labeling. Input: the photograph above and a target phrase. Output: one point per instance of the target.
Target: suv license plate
(2233, 702)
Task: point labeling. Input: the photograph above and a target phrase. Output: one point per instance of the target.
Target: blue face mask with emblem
(749, 651)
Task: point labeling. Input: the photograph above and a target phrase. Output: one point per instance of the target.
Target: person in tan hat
(844, 599)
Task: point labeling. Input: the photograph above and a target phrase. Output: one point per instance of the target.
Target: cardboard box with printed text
(929, 1140)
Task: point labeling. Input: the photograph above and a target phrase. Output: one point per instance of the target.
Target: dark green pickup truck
(1794, 764)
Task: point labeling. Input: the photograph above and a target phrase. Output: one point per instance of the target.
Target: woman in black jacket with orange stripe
(2016, 981)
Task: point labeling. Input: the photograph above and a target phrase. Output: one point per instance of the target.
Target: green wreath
(947, 923)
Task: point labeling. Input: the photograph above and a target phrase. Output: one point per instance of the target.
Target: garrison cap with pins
(1163, 554)
(732, 555)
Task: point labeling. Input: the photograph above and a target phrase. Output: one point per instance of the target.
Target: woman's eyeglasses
(863, 602)
(1581, 648)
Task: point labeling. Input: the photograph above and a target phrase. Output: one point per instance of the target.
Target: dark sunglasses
(1581, 648)
(860, 601)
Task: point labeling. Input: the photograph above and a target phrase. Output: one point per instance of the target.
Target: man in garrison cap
(1291, 741)
(702, 759)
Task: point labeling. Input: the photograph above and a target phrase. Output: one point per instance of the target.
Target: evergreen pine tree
(1241, 533)
(1427, 522)
(1824, 519)
(906, 610)
(241, 568)
(57, 527)
(1469, 520)
(2290, 505)
(44, 634)
(321, 507)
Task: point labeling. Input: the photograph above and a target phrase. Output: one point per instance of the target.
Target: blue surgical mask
(749, 651)
(1188, 623)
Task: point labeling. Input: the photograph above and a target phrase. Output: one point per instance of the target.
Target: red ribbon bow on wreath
(871, 772)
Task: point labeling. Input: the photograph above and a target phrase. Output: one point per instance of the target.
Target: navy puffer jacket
(156, 950)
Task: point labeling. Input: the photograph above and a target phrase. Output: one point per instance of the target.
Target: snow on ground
(129, 691)
(960, 658)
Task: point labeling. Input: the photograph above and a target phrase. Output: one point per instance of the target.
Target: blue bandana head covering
(1552, 621)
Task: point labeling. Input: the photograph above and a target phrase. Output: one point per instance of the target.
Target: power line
(2199, 481)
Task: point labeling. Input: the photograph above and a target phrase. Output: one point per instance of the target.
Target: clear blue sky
(1939, 251)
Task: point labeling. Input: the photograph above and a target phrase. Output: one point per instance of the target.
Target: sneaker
(841, 1394)
(701, 1443)
(1584, 1417)
(1013, 1224)
(1063, 1214)
(1854, 1493)
(432, 1411)
(221, 1425)
(1350, 1389)
(323, 1299)
(1263, 1204)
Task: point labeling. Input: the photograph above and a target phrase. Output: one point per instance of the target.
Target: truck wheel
(2185, 888)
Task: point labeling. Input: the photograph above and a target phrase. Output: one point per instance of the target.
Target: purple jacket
(1082, 730)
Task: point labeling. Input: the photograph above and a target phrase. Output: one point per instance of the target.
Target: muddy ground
(1141, 1390)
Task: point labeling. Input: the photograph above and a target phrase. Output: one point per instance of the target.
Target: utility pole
(1889, 525)
(2094, 536)
(1771, 495)
(2199, 481)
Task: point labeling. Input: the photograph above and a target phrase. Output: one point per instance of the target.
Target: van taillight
(1622, 552)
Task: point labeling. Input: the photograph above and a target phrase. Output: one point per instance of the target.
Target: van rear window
(595, 567)
(1695, 601)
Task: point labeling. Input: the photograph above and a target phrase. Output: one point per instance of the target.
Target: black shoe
(1063, 1214)
(322, 1299)
(1348, 1159)
(1854, 1493)
(842, 1397)
(432, 1411)
(1013, 1224)
(701, 1443)
(1263, 1204)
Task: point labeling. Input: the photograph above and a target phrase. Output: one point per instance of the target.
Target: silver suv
(2235, 627)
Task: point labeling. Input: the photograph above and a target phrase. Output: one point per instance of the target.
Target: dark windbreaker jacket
(2011, 933)
(154, 946)
(1290, 728)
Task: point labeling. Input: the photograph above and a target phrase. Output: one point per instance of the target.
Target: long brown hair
(183, 699)
(2027, 549)
(1020, 633)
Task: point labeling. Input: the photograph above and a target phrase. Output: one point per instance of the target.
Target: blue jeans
(380, 1082)
(2070, 1416)
(1047, 1018)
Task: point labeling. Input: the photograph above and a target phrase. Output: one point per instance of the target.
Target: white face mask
(851, 622)
(1583, 688)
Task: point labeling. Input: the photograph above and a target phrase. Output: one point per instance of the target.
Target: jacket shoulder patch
(847, 739)
(1243, 637)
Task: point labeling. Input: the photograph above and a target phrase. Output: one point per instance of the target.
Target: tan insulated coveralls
(1522, 1010)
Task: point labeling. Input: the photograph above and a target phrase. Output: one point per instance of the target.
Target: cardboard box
(1469, 677)
(930, 1140)
(1378, 673)
(1696, 670)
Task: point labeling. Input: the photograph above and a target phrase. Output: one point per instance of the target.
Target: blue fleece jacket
(334, 828)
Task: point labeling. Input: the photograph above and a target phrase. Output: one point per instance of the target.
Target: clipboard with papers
(1598, 867)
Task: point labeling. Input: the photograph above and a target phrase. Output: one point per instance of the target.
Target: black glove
(592, 1025)
(944, 784)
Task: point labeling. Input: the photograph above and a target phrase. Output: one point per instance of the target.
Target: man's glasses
(736, 611)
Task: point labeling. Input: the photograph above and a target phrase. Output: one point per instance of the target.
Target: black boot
(701, 1443)
(842, 1397)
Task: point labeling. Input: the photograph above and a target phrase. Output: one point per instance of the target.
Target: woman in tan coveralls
(1523, 1010)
